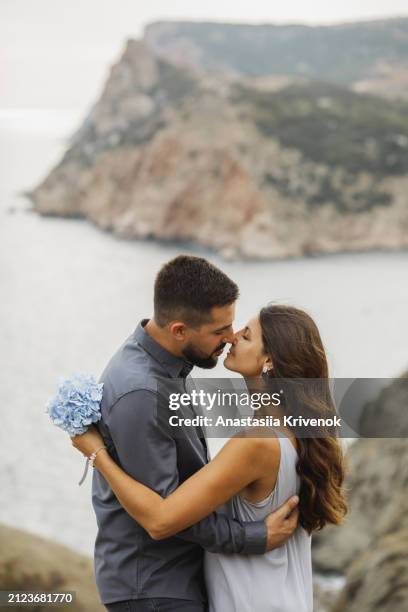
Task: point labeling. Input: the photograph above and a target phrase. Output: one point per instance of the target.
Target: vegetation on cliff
(340, 54)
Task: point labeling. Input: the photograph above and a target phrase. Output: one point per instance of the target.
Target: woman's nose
(239, 334)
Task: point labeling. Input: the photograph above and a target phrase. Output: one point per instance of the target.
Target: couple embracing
(179, 532)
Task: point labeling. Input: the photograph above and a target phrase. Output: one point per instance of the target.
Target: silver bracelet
(93, 456)
(90, 462)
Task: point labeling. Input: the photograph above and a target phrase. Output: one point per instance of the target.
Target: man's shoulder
(129, 371)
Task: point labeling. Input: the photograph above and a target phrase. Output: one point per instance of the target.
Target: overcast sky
(56, 53)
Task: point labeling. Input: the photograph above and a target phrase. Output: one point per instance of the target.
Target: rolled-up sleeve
(218, 533)
(148, 453)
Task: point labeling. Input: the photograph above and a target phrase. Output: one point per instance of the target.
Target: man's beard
(193, 356)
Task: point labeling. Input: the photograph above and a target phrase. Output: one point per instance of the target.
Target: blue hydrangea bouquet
(76, 405)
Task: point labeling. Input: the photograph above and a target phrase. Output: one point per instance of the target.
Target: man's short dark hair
(187, 288)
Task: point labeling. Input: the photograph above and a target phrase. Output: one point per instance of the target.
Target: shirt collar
(175, 366)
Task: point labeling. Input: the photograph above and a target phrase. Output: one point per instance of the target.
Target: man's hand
(282, 523)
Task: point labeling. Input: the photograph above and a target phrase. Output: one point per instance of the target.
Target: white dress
(279, 580)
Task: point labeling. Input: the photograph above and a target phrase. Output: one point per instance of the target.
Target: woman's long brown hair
(293, 342)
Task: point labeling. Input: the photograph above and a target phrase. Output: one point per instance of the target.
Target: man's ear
(178, 330)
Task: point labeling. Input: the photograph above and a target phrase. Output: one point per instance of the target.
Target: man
(194, 308)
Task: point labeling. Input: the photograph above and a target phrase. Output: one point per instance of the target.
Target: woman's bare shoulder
(263, 443)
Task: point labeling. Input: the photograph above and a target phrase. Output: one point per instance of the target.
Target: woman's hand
(89, 442)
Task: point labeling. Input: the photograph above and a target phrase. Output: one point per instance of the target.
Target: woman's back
(279, 580)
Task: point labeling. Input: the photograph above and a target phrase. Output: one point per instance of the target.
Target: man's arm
(148, 454)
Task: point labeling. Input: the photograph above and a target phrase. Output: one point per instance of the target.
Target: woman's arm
(240, 462)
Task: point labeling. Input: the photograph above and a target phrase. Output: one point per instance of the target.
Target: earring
(265, 369)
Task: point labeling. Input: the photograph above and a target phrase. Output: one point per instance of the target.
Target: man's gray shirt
(129, 564)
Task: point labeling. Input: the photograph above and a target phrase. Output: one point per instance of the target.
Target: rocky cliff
(247, 168)
(371, 549)
(28, 562)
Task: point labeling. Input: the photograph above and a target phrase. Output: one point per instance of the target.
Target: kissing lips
(218, 351)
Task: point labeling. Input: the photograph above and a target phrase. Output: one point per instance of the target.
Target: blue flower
(76, 405)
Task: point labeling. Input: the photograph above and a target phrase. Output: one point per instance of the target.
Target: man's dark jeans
(159, 604)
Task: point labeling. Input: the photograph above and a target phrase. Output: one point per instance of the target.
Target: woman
(259, 473)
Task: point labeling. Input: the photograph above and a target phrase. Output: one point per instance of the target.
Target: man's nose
(229, 337)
